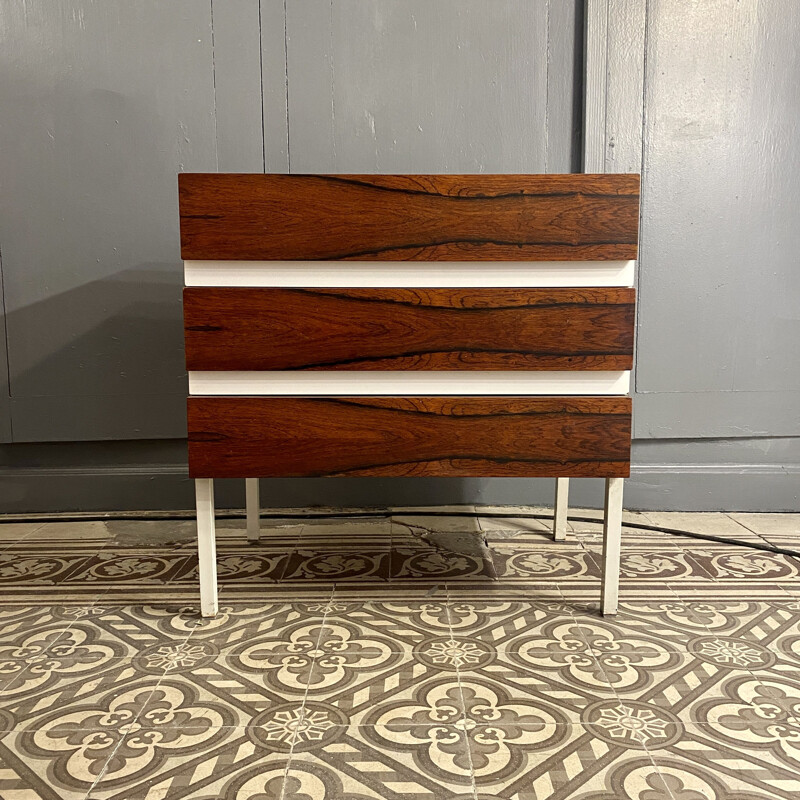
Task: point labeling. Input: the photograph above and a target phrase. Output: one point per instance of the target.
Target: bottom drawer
(237, 437)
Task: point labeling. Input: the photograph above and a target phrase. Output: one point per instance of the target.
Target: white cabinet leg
(206, 546)
(253, 509)
(560, 509)
(612, 539)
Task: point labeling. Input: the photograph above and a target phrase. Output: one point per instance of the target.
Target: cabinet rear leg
(253, 509)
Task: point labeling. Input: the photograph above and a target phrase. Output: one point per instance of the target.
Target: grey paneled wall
(104, 102)
(416, 86)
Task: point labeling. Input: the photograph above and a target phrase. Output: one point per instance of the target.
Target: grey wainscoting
(104, 103)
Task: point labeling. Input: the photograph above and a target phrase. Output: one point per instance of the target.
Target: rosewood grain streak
(409, 329)
(235, 437)
(409, 217)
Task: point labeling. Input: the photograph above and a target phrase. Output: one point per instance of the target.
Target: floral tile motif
(383, 764)
(67, 693)
(668, 624)
(741, 563)
(775, 625)
(27, 775)
(277, 626)
(192, 762)
(386, 687)
(39, 569)
(120, 568)
(562, 684)
(24, 640)
(542, 564)
(401, 625)
(647, 565)
(237, 565)
(434, 564)
(500, 621)
(560, 761)
(337, 565)
(725, 760)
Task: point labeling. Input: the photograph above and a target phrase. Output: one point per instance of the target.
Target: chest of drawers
(409, 325)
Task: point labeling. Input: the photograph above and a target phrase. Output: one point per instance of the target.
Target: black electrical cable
(138, 515)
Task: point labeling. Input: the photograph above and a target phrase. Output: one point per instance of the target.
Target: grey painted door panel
(103, 104)
(418, 86)
(274, 85)
(237, 85)
(719, 284)
(5, 400)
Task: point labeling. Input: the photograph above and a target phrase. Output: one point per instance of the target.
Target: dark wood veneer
(409, 217)
(235, 437)
(408, 329)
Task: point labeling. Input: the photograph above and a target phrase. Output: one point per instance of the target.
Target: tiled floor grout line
(140, 711)
(654, 758)
(652, 754)
(22, 538)
(100, 599)
(163, 677)
(464, 715)
(71, 624)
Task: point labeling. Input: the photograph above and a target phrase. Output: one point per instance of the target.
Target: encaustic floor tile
(380, 665)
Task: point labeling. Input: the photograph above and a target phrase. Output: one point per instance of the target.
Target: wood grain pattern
(408, 329)
(235, 437)
(409, 217)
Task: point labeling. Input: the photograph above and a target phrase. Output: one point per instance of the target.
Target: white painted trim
(409, 384)
(418, 274)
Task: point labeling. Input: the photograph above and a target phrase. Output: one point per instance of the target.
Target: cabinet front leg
(206, 546)
(612, 540)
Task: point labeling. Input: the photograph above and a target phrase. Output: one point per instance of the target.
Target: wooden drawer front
(234, 437)
(408, 329)
(409, 217)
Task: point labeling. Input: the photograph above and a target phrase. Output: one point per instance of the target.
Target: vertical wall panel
(416, 86)
(237, 85)
(274, 85)
(565, 21)
(719, 284)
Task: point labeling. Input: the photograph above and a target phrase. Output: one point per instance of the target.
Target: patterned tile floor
(359, 661)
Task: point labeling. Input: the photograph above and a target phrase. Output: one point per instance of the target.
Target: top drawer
(408, 329)
(409, 217)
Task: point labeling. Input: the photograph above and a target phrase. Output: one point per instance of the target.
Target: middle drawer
(408, 329)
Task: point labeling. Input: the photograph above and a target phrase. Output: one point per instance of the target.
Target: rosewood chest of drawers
(409, 325)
